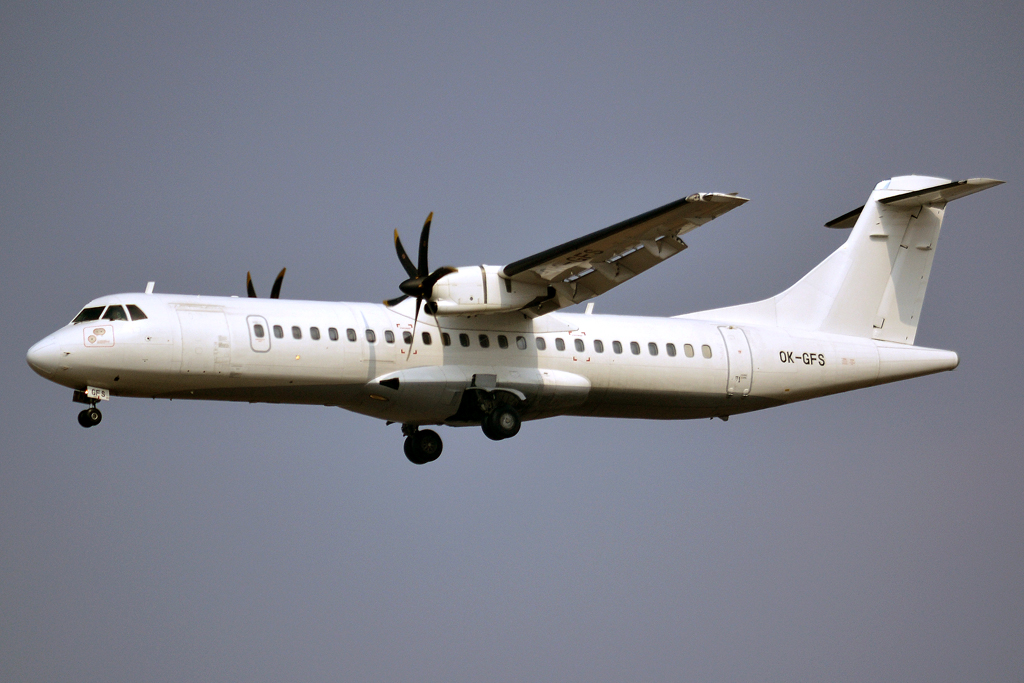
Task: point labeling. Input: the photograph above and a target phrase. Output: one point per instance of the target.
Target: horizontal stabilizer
(937, 194)
(940, 194)
(847, 220)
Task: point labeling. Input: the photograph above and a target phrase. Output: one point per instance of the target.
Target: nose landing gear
(421, 447)
(90, 417)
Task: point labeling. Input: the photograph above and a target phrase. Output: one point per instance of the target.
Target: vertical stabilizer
(874, 284)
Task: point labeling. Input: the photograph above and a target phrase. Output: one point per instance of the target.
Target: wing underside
(593, 264)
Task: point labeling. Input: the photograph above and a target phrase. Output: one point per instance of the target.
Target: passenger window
(485, 341)
(389, 336)
(115, 313)
(464, 339)
(296, 332)
(350, 334)
(579, 345)
(371, 336)
(688, 350)
(278, 331)
(521, 343)
(541, 344)
(407, 336)
(427, 339)
(706, 350)
(314, 333)
(446, 339)
(502, 341)
(88, 315)
(670, 349)
(617, 347)
(135, 312)
(332, 333)
(652, 348)
(257, 329)
(559, 343)
(599, 346)
(634, 348)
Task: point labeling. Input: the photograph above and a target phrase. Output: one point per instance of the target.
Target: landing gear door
(259, 333)
(740, 363)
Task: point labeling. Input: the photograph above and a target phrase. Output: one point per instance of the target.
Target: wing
(591, 265)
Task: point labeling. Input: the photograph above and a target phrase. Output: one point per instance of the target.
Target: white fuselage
(208, 348)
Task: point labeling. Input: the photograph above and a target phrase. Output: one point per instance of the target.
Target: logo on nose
(99, 335)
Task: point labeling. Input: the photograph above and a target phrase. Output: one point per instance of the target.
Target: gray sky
(876, 535)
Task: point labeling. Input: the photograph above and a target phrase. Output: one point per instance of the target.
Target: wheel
(423, 447)
(412, 449)
(502, 423)
(430, 445)
(89, 417)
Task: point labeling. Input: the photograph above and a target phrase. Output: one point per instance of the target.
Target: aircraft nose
(44, 356)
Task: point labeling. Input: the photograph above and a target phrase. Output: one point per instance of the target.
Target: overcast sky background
(877, 535)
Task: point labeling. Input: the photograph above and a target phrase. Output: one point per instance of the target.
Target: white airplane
(489, 347)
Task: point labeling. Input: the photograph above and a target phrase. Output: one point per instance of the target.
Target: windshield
(115, 313)
(87, 314)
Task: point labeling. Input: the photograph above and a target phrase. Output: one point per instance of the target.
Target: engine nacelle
(473, 290)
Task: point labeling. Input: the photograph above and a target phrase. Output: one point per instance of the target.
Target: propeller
(275, 291)
(421, 281)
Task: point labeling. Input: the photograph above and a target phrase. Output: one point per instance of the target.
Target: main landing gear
(90, 417)
(502, 422)
(421, 447)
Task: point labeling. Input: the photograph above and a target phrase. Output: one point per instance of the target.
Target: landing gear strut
(90, 417)
(421, 447)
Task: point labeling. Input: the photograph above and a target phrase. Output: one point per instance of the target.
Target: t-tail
(874, 284)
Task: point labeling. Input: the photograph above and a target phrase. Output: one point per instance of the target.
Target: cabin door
(205, 344)
(740, 363)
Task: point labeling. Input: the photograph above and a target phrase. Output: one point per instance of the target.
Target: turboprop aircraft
(489, 345)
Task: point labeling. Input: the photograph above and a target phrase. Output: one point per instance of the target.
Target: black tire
(83, 419)
(489, 430)
(94, 416)
(423, 447)
(412, 449)
(502, 423)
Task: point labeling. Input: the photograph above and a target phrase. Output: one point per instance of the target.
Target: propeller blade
(248, 285)
(396, 300)
(275, 292)
(410, 269)
(422, 269)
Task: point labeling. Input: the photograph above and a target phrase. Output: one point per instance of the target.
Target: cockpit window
(88, 314)
(115, 313)
(136, 312)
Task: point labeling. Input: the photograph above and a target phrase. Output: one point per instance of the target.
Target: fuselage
(362, 357)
